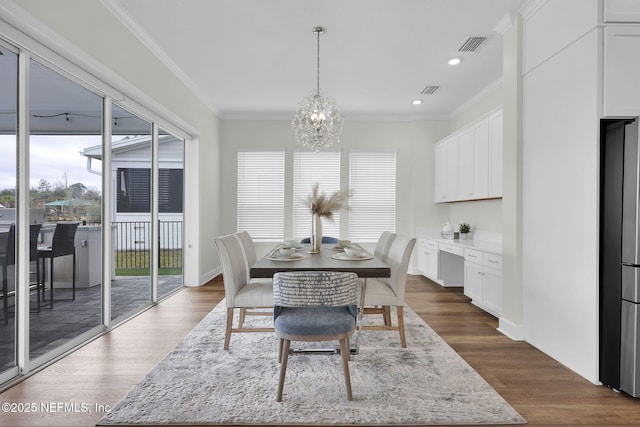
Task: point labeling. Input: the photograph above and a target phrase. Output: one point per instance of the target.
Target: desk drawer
(493, 261)
(431, 244)
(452, 249)
(473, 255)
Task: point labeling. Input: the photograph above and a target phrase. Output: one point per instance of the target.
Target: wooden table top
(322, 261)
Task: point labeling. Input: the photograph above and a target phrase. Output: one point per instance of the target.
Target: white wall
(561, 137)
(101, 45)
(412, 140)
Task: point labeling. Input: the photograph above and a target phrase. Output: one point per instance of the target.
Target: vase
(463, 236)
(316, 233)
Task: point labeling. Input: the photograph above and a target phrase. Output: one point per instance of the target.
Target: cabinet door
(432, 264)
(422, 257)
(440, 168)
(452, 169)
(481, 160)
(621, 70)
(495, 154)
(465, 165)
(473, 281)
(621, 11)
(493, 291)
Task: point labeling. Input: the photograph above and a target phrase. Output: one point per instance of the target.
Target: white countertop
(480, 245)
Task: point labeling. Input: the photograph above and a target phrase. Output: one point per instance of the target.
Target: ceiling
(257, 58)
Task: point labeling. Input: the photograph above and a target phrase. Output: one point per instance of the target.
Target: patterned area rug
(199, 383)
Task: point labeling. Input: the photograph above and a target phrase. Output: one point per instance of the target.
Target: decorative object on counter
(447, 232)
(464, 229)
(318, 123)
(322, 206)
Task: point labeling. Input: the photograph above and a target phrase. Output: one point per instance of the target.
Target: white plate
(295, 257)
(344, 257)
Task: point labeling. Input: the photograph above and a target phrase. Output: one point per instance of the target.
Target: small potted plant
(464, 230)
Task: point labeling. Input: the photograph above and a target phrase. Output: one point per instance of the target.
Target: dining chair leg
(280, 344)
(403, 339)
(227, 334)
(243, 313)
(386, 313)
(283, 368)
(344, 349)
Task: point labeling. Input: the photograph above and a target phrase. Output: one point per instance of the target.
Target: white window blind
(261, 194)
(372, 181)
(310, 168)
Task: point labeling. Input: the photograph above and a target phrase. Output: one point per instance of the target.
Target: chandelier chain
(318, 32)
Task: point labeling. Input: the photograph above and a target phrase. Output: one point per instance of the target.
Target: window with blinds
(260, 209)
(372, 182)
(310, 168)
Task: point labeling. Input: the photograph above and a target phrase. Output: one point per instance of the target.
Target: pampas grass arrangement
(325, 206)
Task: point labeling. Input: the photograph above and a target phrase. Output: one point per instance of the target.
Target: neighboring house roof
(126, 144)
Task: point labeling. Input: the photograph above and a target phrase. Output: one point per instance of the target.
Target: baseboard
(510, 329)
(208, 276)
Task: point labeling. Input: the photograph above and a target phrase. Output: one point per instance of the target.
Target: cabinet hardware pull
(490, 260)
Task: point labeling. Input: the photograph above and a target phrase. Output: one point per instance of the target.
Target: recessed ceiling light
(455, 61)
(417, 101)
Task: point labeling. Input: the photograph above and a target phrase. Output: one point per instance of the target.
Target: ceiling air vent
(430, 90)
(472, 44)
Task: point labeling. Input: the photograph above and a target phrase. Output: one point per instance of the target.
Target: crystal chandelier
(317, 123)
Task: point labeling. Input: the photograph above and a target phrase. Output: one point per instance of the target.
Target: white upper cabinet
(468, 163)
(621, 70)
(446, 166)
(495, 154)
(621, 11)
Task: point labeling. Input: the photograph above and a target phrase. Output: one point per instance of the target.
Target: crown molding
(121, 15)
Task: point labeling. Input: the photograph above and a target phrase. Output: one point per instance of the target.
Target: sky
(50, 158)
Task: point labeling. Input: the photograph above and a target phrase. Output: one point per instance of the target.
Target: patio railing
(132, 245)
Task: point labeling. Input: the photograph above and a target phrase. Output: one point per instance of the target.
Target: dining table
(330, 258)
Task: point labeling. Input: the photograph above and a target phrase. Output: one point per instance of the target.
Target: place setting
(289, 251)
(352, 253)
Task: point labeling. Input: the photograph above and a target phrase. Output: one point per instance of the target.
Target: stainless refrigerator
(620, 256)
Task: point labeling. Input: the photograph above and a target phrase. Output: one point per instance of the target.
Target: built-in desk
(474, 264)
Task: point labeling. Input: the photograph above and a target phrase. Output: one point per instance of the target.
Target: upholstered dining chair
(390, 291)
(250, 258)
(62, 244)
(382, 252)
(314, 306)
(239, 292)
(384, 244)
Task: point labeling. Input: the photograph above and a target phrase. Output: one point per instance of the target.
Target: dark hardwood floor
(101, 373)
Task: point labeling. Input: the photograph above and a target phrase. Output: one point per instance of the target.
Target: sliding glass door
(131, 157)
(61, 152)
(170, 212)
(65, 207)
(8, 201)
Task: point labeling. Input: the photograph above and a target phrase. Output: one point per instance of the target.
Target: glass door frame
(28, 49)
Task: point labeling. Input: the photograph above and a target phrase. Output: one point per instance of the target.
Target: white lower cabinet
(428, 258)
(483, 280)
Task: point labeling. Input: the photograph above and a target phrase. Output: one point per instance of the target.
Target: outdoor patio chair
(314, 306)
(62, 244)
(7, 258)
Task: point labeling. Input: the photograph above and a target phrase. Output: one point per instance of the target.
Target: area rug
(199, 383)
